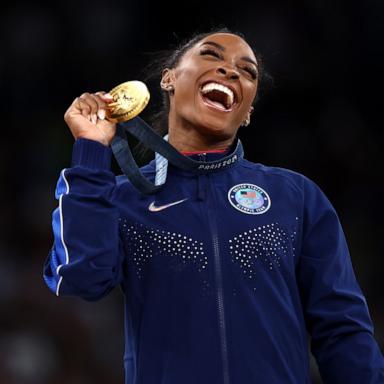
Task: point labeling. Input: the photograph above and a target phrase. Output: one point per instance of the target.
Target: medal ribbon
(138, 128)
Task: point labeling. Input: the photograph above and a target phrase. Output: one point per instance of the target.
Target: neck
(192, 140)
(188, 153)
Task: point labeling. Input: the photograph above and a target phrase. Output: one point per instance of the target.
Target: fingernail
(108, 95)
(101, 114)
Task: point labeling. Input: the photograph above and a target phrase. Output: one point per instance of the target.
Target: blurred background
(322, 117)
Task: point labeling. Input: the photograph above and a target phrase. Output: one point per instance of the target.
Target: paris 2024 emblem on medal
(130, 98)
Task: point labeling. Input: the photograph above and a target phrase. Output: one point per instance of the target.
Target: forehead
(230, 42)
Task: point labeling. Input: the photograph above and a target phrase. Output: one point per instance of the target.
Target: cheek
(250, 92)
(249, 95)
(186, 77)
(184, 89)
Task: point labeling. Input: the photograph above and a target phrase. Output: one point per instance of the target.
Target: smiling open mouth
(218, 96)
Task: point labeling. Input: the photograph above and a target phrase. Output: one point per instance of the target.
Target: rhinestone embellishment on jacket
(145, 244)
(268, 243)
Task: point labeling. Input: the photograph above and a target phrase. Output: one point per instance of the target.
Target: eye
(254, 74)
(210, 52)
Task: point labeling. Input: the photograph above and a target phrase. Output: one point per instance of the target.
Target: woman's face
(214, 84)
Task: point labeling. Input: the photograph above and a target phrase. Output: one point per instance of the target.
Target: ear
(247, 120)
(167, 79)
(251, 109)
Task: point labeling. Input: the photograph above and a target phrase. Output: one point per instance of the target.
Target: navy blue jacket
(224, 273)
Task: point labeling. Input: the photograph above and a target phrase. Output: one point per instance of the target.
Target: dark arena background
(322, 116)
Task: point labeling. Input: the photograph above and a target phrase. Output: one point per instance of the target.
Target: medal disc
(130, 98)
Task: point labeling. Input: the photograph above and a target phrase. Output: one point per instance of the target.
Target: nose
(228, 72)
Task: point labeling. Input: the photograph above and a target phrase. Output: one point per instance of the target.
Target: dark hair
(170, 58)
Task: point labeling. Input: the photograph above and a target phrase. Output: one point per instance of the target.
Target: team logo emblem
(249, 198)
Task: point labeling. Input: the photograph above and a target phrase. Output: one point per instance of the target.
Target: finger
(89, 99)
(105, 102)
(107, 97)
(83, 106)
(108, 100)
(87, 106)
(98, 107)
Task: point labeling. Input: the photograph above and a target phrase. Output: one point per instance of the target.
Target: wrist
(92, 154)
(104, 142)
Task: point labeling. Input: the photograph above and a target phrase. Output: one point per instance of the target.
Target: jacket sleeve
(335, 309)
(86, 257)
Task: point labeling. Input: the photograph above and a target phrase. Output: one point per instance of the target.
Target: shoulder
(285, 175)
(286, 181)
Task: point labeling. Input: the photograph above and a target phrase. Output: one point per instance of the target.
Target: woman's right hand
(86, 118)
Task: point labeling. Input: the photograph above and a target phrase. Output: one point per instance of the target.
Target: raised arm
(86, 257)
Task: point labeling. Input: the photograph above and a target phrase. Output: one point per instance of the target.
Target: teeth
(219, 87)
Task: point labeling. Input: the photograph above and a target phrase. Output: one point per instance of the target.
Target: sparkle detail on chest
(146, 243)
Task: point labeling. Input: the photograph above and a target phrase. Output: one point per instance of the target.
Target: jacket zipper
(220, 296)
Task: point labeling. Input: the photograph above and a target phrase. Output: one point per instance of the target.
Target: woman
(223, 271)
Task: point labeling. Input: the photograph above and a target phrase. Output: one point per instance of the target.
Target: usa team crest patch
(249, 198)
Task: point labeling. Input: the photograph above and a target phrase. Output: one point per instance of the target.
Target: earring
(168, 88)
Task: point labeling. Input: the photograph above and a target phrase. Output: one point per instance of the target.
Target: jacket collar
(202, 163)
(164, 153)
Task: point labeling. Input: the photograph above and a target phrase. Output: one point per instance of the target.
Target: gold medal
(130, 98)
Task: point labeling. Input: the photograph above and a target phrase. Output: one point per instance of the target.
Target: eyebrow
(219, 46)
